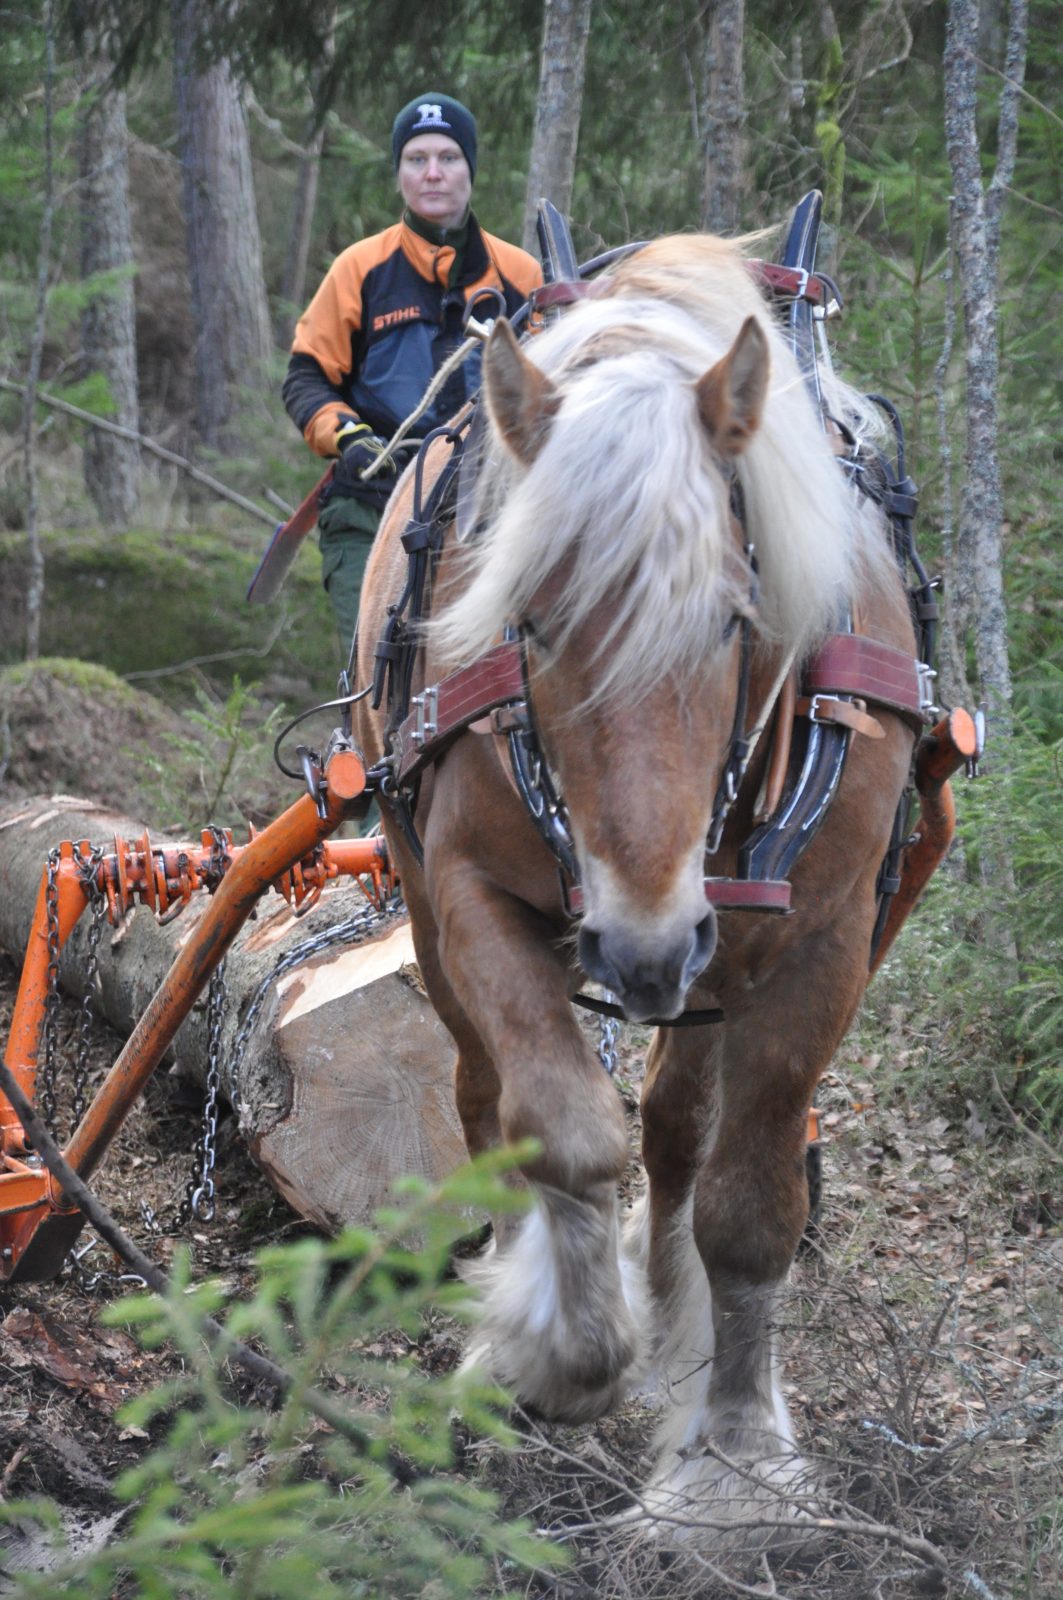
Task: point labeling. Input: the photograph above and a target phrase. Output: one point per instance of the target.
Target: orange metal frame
(294, 857)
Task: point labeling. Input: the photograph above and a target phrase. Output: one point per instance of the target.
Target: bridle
(534, 776)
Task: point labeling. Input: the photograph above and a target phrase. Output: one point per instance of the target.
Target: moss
(144, 603)
(88, 676)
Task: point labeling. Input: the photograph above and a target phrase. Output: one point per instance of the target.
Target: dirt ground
(923, 1345)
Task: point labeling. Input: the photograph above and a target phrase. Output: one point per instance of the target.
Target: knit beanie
(435, 113)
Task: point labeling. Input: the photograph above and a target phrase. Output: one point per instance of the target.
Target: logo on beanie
(430, 116)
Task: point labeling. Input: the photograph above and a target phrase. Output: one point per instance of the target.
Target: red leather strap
(780, 280)
(848, 663)
(563, 293)
(447, 707)
(748, 894)
(792, 281)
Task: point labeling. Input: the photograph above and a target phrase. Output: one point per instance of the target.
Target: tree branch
(1007, 120)
(145, 443)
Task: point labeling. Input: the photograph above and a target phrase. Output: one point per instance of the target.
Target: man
(384, 321)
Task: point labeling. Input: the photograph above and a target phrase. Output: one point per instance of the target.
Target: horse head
(637, 731)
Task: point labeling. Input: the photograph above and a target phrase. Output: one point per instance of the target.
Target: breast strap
(845, 663)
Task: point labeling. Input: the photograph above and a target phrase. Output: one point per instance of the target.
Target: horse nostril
(593, 959)
(702, 948)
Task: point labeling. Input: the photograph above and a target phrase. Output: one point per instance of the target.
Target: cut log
(339, 1069)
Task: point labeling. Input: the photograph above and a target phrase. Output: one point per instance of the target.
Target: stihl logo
(388, 319)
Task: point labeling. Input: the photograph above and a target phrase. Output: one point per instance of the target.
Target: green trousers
(345, 532)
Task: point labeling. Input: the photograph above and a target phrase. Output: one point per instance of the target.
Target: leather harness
(849, 674)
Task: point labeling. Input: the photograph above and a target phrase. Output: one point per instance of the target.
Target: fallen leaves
(67, 1355)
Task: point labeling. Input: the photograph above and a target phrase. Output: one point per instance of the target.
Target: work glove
(359, 447)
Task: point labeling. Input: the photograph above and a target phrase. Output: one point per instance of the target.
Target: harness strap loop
(822, 708)
(461, 698)
(851, 663)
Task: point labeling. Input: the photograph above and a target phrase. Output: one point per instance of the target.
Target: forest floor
(922, 1341)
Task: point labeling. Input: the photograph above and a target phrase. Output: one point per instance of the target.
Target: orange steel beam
(24, 1038)
(37, 1225)
(940, 754)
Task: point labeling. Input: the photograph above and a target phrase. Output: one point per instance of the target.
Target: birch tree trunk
(293, 289)
(977, 580)
(35, 585)
(233, 338)
(552, 164)
(723, 118)
(108, 322)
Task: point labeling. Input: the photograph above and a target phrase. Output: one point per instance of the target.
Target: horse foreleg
(729, 1471)
(562, 1316)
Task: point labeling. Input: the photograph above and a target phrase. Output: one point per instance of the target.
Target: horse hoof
(743, 1507)
(544, 1390)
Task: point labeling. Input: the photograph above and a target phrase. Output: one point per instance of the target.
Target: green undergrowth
(168, 610)
(958, 1013)
(244, 1498)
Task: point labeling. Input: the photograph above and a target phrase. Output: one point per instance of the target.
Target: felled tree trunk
(339, 1068)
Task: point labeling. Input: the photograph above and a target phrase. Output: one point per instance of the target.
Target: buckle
(927, 705)
(427, 711)
(813, 709)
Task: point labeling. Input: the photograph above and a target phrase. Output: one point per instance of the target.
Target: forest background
(176, 177)
(163, 221)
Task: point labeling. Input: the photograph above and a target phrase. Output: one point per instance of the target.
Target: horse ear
(731, 394)
(521, 400)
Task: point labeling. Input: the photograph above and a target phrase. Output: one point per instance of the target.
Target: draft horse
(663, 524)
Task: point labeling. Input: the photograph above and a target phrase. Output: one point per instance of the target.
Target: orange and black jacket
(381, 325)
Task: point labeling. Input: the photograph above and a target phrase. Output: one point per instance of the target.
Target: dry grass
(922, 1346)
(923, 1358)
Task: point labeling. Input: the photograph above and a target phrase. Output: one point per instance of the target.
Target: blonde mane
(627, 491)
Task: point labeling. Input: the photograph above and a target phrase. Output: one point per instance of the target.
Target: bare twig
(205, 661)
(278, 501)
(150, 445)
(1031, 1133)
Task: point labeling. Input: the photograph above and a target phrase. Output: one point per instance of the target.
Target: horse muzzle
(649, 973)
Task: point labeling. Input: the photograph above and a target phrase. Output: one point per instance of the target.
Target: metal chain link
(199, 1201)
(49, 1033)
(199, 1197)
(352, 931)
(608, 1034)
(88, 871)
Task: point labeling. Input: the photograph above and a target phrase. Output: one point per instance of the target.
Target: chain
(88, 870)
(608, 1033)
(199, 1198)
(199, 1201)
(46, 1070)
(352, 931)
